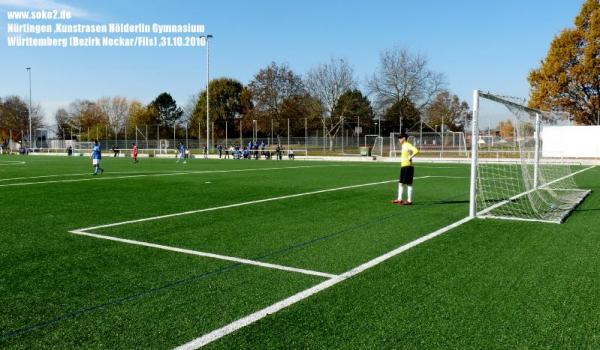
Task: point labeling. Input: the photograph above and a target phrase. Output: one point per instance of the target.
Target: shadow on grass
(591, 209)
(466, 201)
(447, 202)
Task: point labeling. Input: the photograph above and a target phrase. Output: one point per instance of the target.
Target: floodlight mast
(208, 36)
(29, 111)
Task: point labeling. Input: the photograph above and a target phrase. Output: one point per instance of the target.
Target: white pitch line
(11, 162)
(205, 254)
(83, 174)
(249, 319)
(159, 217)
(88, 179)
(149, 172)
(449, 177)
(258, 315)
(100, 177)
(395, 166)
(85, 231)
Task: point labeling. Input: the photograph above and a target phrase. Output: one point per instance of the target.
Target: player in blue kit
(181, 153)
(96, 158)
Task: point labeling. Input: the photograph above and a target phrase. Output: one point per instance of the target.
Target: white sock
(410, 190)
(400, 190)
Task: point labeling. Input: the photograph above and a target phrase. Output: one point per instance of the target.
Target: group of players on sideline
(252, 151)
(407, 171)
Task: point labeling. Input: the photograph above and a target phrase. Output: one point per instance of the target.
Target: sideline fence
(296, 135)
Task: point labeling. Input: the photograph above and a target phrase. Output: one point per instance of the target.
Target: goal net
(81, 146)
(510, 176)
(163, 146)
(375, 144)
(395, 149)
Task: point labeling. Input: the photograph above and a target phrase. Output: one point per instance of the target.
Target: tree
(143, 119)
(568, 79)
(448, 110)
(506, 129)
(84, 115)
(403, 75)
(402, 114)
(14, 117)
(354, 106)
(328, 82)
(302, 111)
(190, 107)
(142, 115)
(116, 112)
(167, 111)
(63, 123)
(229, 99)
(272, 86)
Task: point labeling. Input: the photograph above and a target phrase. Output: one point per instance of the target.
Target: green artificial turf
(485, 284)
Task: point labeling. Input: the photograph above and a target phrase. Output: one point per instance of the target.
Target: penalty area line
(205, 254)
(258, 315)
(86, 232)
(235, 205)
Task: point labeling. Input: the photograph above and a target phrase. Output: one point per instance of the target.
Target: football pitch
(283, 254)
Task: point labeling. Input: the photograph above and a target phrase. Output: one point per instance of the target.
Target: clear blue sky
(488, 45)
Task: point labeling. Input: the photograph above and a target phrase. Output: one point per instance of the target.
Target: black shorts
(407, 173)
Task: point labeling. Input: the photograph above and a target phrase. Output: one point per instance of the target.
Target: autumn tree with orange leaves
(568, 79)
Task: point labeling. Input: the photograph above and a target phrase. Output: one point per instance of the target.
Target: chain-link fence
(296, 135)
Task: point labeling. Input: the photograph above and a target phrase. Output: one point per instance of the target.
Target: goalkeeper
(407, 171)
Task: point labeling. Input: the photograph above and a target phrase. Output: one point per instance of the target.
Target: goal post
(512, 179)
(80, 147)
(393, 141)
(474, 155)
(375, 144)
(536, 152)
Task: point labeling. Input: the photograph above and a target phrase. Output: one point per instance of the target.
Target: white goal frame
(536, 178)
(376, 138)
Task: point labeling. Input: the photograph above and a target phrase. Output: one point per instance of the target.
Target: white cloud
(46, 5)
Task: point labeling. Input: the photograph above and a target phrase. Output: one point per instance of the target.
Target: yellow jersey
(408, 151)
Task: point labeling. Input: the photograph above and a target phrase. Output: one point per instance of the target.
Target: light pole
(420, 129)
(358, 130)
(30, 139)
(342, 121)
(442, 131)
(209, 36)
